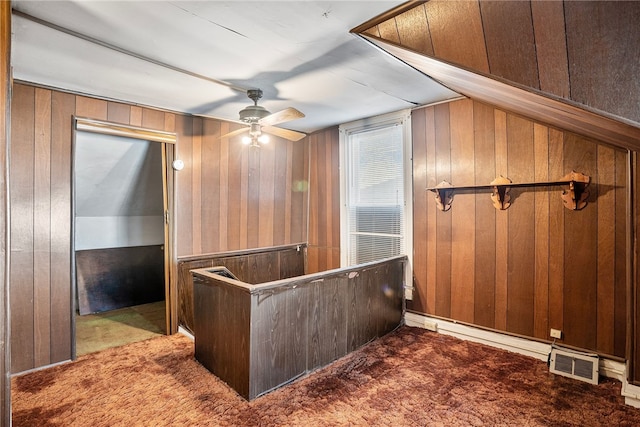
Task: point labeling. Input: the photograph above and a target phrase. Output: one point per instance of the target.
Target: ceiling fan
(260, 121)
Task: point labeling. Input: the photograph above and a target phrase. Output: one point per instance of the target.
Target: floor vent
(573, 364)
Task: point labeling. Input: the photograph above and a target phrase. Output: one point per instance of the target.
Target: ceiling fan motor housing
(254, 112)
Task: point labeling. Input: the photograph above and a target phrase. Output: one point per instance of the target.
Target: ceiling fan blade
(281, 116)
(234, 132)
(291, 135)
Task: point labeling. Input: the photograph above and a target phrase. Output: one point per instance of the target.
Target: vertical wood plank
(541, 244)
(21, 208)
(462, 19)
(244, 198)
(253, 199)
(521, 272)
(62, 109)
(621, 258)
(334, 137)
(413, 30)
(420, 237)
(485, 230)
(282, 187)
(431, 211)
(5, 107)
(234, 206)
(184, 184)
(551, 47)
(606, 247)
(135, 118)
(463, 216)
(91, 108)
(118, 113)
(314, 191)
(580, 275)
(223, 200)
(389, 31)
(502, 225)
(210, 176)
(556, 232)
(42, 227)
(196, 185)
(289, 185)
(443, 219)
(152, 119)
(267, 193)
(508, 35)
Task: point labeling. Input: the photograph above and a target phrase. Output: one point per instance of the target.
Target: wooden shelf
(574, 195)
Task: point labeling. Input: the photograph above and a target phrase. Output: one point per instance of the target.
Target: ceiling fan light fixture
(263, 139)
(246, 140)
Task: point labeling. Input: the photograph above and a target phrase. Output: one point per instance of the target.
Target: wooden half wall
(227, 198)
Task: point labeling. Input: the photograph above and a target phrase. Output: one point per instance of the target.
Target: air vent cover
(573, 364)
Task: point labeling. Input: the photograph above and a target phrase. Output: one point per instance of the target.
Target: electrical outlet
(556, 333)
(430, 325)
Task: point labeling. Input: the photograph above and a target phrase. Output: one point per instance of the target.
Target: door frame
(168, 141)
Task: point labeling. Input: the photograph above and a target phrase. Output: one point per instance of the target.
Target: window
(375, 165)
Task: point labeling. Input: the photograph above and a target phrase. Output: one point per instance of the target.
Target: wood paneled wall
(227, 197)
(583, 51)
(536, 265)
(5, 102)
(324, 201)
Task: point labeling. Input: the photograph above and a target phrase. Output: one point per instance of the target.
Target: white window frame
(401, 118)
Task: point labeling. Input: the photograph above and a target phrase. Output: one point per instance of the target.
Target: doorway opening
(122, 245)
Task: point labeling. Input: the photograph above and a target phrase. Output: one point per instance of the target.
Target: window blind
(375, 198)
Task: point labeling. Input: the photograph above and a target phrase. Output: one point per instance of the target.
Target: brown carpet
(410, 377)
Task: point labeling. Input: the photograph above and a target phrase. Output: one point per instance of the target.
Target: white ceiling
(200, 57)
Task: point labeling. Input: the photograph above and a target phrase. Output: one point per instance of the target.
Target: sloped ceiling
(201, 57)
(584, 52)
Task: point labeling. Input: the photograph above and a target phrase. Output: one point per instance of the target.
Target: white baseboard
(607, 367)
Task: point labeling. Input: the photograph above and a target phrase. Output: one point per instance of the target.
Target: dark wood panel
(63, 107)
(463, 20)
(42, 228)
(580, 279)
(508, 35)
(551, 47)
(21, 210)
(622, 260)
(603, 45)
(113, 278)
(485, 230)
(532, 105)
(327, 317)
(606, 243)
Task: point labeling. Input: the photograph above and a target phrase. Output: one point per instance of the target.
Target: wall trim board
(608, 367)
(577, 119)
